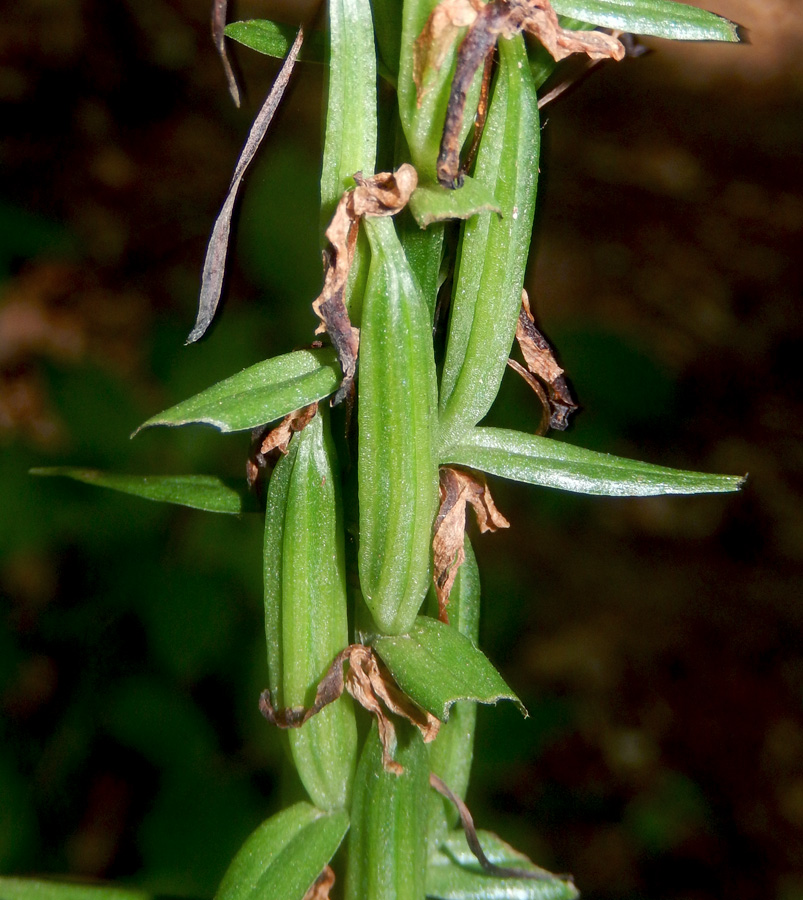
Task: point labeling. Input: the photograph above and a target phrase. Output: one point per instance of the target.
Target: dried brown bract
(384, 194)
(267, 443)
(457, 489)
(278, 438)
(323, 884)
(503, 18)
(372, 686)
(557, 402)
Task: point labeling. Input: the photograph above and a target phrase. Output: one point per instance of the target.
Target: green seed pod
(306, 607)
(493, 250)
(451, 752)
(388, 837)
(397, 471)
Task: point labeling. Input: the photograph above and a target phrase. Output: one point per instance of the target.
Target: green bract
(662, 18)
(258, 394)
(206, 492)
(436, 665)
(551, 463)
(453, 873)
(283, 857)
(35, 889)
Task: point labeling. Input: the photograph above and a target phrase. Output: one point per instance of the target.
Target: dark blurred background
(657, 643)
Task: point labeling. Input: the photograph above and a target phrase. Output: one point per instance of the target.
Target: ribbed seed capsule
(388, 837)
(306, 609)
(452, 751)
(493, 250)
(397, 414)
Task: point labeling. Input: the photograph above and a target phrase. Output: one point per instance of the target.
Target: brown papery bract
(323, 884)
(373, 687)
(541, 363)
(458, 488)
(384, 194)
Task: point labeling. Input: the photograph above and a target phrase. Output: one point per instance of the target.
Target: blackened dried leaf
(323, 884)
(215, 261)
(541, 362)
(369, 682)
(506, 18)
(219, 37)
(373, 687)
(384, 194)
(473, 841)
(457, 489)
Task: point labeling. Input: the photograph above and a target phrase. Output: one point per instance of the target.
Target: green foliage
(259, 394)
(284, 855)
(662, 18)
(453, 873)
(550, 463)
(436, 665)
(196, 491)
(322, 594)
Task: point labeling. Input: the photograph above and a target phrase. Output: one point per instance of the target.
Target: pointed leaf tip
(437, 666)
(205, 492)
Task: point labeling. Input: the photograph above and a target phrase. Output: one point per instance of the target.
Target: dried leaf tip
(457, 489)
(498, 18)
(558, 405)
(373, 687)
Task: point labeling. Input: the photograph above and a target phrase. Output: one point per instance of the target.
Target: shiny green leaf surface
(282, 858)
(661, 18)
(454, 873)
(436, 665)
(551, 463)
(43, 889)
(205, 492)
(388, 840)
(258, 394)
(434, 203)
(274, 39)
